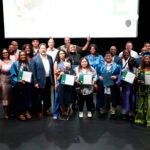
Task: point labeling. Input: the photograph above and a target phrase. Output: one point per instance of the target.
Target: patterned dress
(143, 104)
(5, 82)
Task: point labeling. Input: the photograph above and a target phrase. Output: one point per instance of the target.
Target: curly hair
(142, 64)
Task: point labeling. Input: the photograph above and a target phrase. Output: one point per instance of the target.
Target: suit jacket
(39, 71)
(117, 59)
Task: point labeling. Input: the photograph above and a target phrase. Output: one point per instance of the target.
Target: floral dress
(143, 104)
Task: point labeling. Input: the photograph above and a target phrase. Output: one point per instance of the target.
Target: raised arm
(86, 44)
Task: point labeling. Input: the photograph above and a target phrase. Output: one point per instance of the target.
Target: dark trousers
(100, 96)
(113, 96)
(45, 96)
(22, 97)
(85, 98)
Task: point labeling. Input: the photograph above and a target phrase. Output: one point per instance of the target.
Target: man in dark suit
(43, 78)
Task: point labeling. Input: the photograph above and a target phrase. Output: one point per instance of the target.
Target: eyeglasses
(4, 52)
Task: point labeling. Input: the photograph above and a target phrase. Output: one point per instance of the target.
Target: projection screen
(72, 18)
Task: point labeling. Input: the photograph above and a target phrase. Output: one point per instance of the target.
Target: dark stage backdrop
(102, 43)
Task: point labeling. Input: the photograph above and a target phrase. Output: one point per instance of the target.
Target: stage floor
(74, 134)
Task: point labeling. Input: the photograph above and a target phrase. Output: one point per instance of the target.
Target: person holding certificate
(143, 104)
(129, 90)
(109, 73)
(66, 89)
(85, 78)
(30, 54)
(21, 86)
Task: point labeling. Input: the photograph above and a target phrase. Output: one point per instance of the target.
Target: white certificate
(147, 79)
(27, 76)
(86, 79)
(68, 79)
(128, 77)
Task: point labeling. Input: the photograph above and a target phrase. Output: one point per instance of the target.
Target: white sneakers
(80, 114)
(89, 114)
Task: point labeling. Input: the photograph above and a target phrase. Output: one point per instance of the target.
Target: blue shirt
(96, 61)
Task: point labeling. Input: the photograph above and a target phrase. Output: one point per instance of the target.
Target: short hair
(42, 44)
(108, 52)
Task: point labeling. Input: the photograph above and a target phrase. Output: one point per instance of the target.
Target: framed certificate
(27, 76)
(85, 79)
(68, 79)
(147, 79)
(128, 77)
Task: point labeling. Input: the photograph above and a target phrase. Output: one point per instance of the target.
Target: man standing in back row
(67, 42)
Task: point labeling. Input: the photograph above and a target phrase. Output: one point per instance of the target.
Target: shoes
(80, 114)
(89, 115)
(22, 117)
(47, 113)
(63, 117)
(39, 115)
(6, 117)
(55, 118)
(112, 111)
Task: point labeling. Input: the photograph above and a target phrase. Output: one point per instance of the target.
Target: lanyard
(108, 67)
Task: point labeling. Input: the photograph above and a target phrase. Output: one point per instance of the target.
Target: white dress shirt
(46, 65)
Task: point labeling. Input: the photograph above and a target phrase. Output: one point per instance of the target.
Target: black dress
(66, 92)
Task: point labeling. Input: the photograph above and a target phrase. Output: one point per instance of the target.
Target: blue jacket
(115, 70)
(14, 71)
(39, 71)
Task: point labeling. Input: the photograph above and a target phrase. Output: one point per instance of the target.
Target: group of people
(35, 77)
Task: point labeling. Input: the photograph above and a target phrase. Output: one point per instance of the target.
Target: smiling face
(93, 50)
(27, 49)
(67, 41)
(51, 43)
(5, 54)
(35, 43)
(126, 54)
(62, 55)
(42, 49)
(108, 58)
(71, 48)
(147, 60)
(11, 49)
(113, 50)
(22, 56)
(129, 46)
(84, 63)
